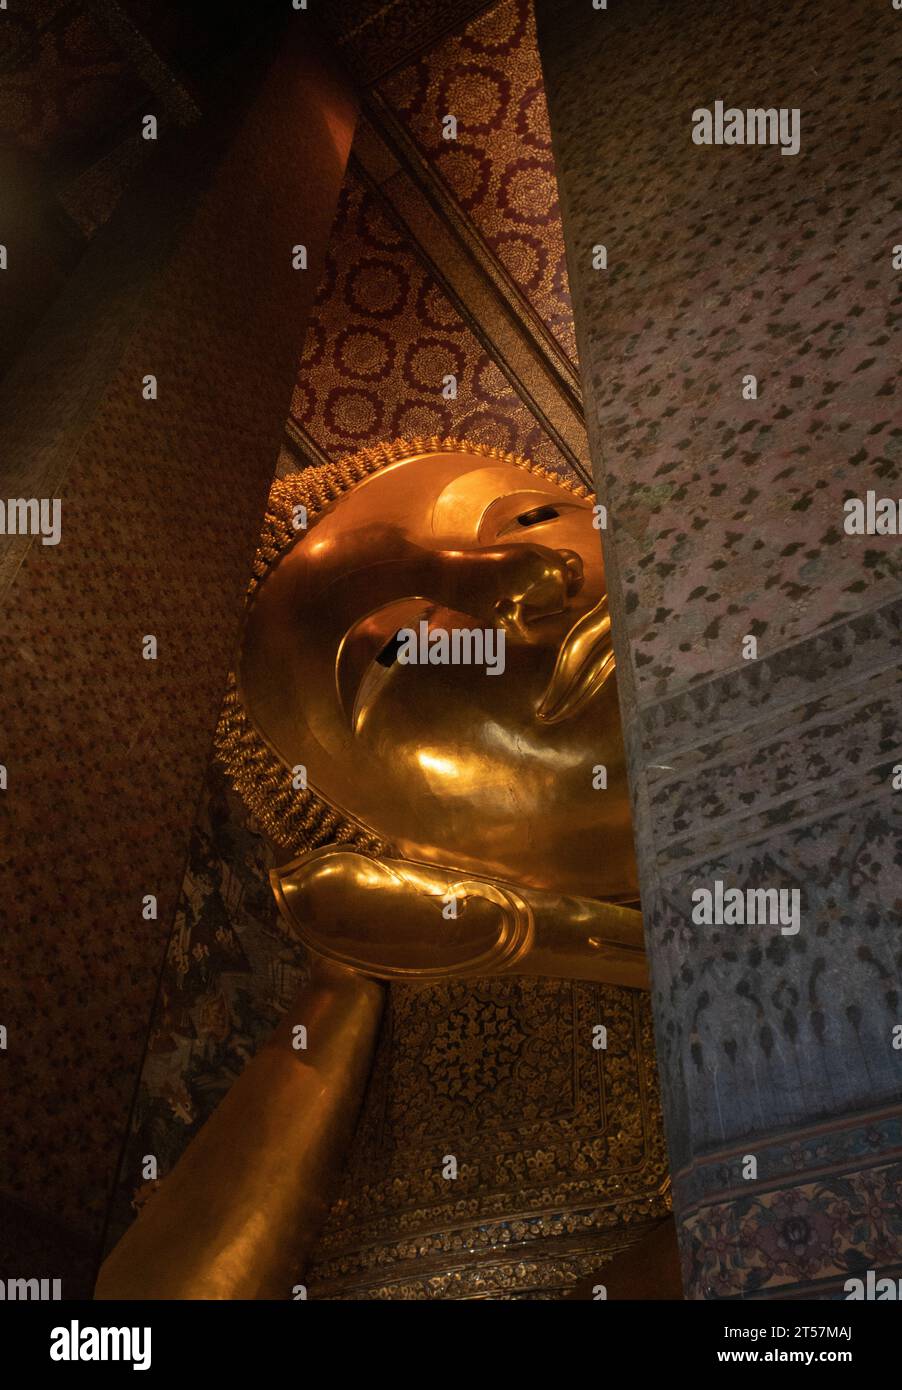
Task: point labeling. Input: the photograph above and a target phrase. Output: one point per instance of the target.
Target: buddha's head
(487, 765)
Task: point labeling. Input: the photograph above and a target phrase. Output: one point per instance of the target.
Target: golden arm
(394, 919)
(240, 1211)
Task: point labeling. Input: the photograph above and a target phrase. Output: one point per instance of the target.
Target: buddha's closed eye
(389, 653)
(368, 653)
(508, 517)
(536, 515)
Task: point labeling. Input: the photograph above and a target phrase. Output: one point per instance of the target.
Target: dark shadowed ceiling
(478, 281)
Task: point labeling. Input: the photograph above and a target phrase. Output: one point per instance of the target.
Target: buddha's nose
(545, 580)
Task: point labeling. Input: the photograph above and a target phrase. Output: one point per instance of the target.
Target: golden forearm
(582, 939)
(398, 920)
(238, 1214)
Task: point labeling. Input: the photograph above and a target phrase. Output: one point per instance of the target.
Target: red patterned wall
(500, 168)
(383, 336)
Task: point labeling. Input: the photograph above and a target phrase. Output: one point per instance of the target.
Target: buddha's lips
(584, 663)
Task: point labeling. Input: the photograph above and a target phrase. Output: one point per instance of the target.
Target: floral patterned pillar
(737, 312)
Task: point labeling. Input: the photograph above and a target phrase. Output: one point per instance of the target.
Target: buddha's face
(451, 763)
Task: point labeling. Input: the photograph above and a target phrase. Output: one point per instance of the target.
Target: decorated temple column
(736, 296)
(143, 424)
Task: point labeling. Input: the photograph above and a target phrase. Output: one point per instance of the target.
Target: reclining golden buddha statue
(423, 719)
